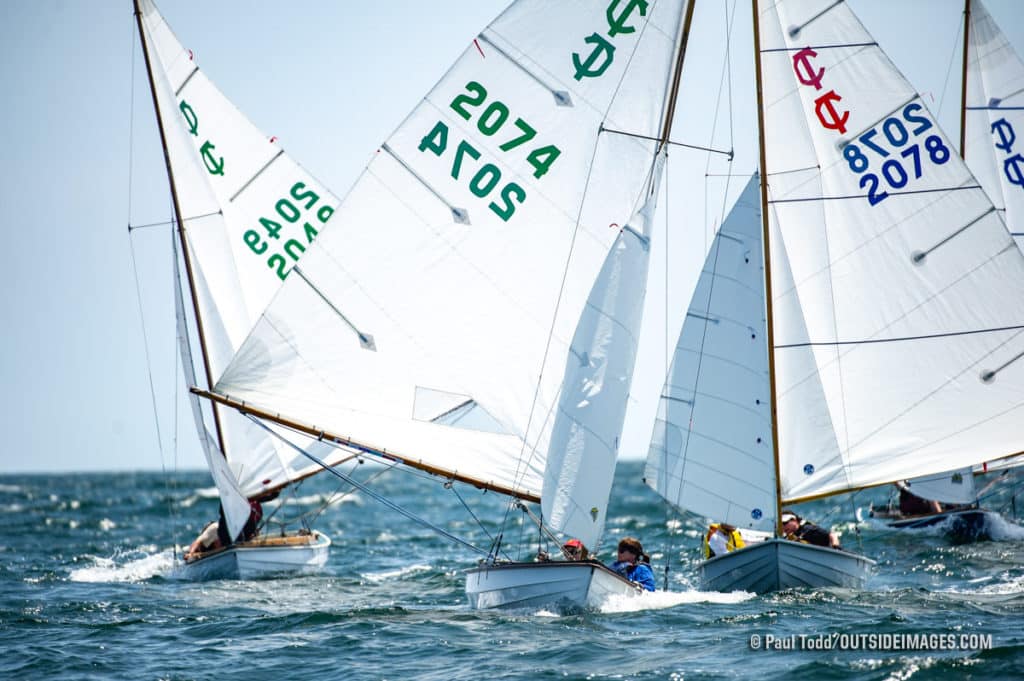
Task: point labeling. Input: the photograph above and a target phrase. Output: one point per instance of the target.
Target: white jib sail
(468, 247)
(232, 500)
(711, 451)
(595, 389)
(898, 295)
(249, 213)
(994, 120)
(951, 487)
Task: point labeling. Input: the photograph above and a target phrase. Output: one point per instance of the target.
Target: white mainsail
(249, 212)
(897, 293)
(994, 117)
(711, 452)
(461, 262)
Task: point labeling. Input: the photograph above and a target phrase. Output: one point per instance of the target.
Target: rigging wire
(366, 490)
(169, 484)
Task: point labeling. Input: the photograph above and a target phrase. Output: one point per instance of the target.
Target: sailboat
(491, 262)
(893, 313)
(992, 113)
(245, 213)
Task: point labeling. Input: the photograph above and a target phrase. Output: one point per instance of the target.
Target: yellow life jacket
(733, 540)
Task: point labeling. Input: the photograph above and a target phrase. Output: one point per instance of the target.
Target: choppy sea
(89, 589)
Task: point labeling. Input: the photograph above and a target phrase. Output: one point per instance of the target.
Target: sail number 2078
(490, 121)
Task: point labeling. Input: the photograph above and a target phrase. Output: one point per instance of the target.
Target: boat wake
(660, 600)
(132, 566)
(389, 575)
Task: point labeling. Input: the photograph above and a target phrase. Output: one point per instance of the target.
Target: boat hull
(777, 564)
(960, 527)
(263, 557)
(559, 584)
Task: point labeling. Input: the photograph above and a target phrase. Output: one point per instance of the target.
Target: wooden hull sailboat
(261, 557)
(559, 584)
(776, 564)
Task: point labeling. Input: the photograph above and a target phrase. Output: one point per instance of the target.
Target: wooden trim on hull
(262, 557)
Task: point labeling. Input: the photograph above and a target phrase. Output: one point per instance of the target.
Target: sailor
(720, 539)
(634, 564)
(793, 527)
(575, 550)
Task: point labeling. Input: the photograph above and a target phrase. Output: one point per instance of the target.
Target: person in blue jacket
(634, 564)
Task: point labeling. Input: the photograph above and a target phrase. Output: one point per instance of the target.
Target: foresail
(460, 263)
(233, 501)
(711, 451)
(898, 295)
(994, 117)
(249, 212)
(595, 388)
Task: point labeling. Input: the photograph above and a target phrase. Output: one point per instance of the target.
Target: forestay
(711, 451)
(460, 263)
(994, 117)
(898, 295)
(249, 213)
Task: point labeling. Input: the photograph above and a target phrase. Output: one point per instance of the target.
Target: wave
(660, 600)
(126, 567)
(400, 573)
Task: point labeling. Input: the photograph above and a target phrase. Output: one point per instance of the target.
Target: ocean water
(89, 590)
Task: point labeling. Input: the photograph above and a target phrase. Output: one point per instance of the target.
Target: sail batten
(248, 211)
(470, 245)
(916, 252)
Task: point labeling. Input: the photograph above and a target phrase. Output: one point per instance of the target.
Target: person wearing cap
(720, 539)
(797, 529)
(634, 564)
(575, 550)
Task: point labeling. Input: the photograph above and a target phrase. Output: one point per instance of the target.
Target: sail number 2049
(491, 120)
(292, 213)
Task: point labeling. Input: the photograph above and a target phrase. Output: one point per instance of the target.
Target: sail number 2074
(491, 120)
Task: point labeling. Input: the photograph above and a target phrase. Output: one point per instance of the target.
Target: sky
(87, 360)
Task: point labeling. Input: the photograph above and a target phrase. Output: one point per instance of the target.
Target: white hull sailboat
(244, 213)
(777, 564)
(506, 285)
(261, 557)
(559, 584)
(881, 339)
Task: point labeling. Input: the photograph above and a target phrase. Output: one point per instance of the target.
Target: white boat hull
(776, 564)
(263, 557)
(560, 584)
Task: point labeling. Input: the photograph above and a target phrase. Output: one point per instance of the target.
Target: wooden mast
(767, 270)
(963, 81)
(181, 224)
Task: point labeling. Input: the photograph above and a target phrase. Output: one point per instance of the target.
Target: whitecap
(387, 575)
(659, 600)
(130, 567)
